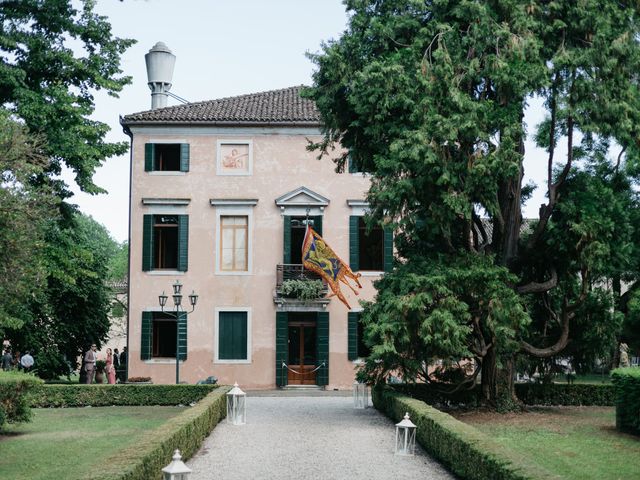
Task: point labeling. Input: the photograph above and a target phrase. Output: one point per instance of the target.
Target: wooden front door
(302, 353)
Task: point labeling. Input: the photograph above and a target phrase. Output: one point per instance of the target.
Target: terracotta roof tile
(275, 107)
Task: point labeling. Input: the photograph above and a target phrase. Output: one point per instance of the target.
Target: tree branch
(535, 287)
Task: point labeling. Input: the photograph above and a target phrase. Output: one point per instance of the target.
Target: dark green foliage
(464, 450)
(65, 396)
(71, 311)
(430, 99)
(15, 396)
(627, 385)
(528, 394)
(51, 87)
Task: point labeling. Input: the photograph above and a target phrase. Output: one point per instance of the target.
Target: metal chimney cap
(160, 47)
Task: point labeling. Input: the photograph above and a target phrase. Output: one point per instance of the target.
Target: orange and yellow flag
(318, 257)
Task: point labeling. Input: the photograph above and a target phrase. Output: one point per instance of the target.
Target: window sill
(161, 361)
(167, 173)
(372, 273)
(232, 362)
(239, 272)
(165, 272)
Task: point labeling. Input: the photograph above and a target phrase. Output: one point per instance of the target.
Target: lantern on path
(176, 470)
(360, 395)
(236, 406)
(405, 436)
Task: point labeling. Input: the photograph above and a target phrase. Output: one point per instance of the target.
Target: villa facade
(221, 193)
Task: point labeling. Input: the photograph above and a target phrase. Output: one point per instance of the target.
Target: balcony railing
(286, 272)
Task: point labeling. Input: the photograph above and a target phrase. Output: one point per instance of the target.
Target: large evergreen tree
(429, 97)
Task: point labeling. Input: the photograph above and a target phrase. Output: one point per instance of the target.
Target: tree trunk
(498, 389)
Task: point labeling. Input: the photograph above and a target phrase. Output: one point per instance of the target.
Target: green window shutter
(317, 224)
(322, 332)
(182, 335)
(149, 156)
(352, 334)
(388, 249)
(232, 336)
(145, 337)
(183, 243)
(282, 347)
(354, 244)
(184, 157)
(286, 257)
(147, 243)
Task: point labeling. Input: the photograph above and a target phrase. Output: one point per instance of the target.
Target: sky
(223, 48)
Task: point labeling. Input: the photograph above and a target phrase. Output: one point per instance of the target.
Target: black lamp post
(177, 303)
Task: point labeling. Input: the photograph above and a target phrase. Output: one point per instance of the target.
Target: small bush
(302, 289)
(627, 385)
(105, 395)
(14, 396)
(466, 451)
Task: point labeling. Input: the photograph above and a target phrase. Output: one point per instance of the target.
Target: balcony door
(303, 349)
(294, 230)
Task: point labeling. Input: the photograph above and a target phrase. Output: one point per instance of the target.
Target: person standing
(111, 370)
(90, 363)
(123, 365)
(7, 360)
(116, 362)
(27, 362)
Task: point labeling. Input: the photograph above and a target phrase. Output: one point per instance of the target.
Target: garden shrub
(627, 385)
(566, 395)
(463, 449)
(105, 395)
(528, 393)
(153, 452)
(14, 398)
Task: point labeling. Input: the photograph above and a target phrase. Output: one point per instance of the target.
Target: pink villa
(221, 193)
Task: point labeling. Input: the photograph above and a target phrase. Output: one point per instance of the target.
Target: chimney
(160, 62)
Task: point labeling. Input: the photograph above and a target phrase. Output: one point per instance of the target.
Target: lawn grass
(70, 443)
(588, 378)
(578, 443)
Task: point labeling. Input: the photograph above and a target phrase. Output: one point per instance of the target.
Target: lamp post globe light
(176, 470)
(236, 406)
(405, 437)
(177, 303)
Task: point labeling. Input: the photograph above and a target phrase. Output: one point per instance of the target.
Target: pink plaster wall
(281, 164)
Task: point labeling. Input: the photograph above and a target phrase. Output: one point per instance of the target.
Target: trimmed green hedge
(153, 452)
(528, 393)
(105, 395)
(567, 395)
(14, 399)
(627, 384)
(464, 450)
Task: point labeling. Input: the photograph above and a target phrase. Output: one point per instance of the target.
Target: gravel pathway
(308, 438)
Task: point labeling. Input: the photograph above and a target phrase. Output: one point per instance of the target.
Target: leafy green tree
(72, 311)
(53, 56)
(429, 98)
(25, 210)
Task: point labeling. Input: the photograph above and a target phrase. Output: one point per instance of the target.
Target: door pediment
(302, 201)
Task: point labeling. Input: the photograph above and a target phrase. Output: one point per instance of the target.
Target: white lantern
(176, 470)
(236, 406)
(360, 395)
(405, 436)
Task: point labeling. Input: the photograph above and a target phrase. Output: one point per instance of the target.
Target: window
(165, 242)
(233, 336)
(295, 230)
(369, 250)
(158, 335)
(164, 331)
(356, 348)
(166, 157)
(234, 250)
